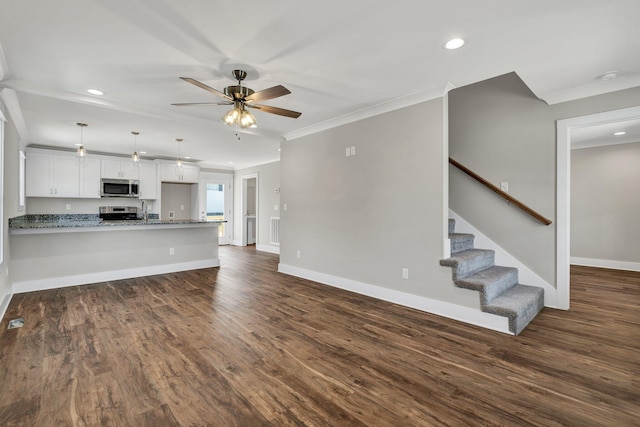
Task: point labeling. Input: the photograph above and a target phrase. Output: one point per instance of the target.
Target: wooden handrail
(500, 193)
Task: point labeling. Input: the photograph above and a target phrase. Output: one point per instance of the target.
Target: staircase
(500, 292)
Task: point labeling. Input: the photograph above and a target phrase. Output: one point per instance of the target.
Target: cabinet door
(190, 174)
(90, 178)
(130, 170)
(38, 175)
(148, 181)
(169, 173)
(111, 169)
(66, 176)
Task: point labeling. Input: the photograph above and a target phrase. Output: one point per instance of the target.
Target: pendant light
(135, 156)
(179, 161)
(82, 152)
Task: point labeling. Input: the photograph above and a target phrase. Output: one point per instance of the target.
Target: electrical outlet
(67, 207)
(275, 207)
(405, 273)
(181, 207)
(298, 254)
(347, 152)
(284, 206)
(353, 150)
(172, 251)
(172, 214)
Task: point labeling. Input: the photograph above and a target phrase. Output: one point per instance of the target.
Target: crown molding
(10, 100)
(384, 107)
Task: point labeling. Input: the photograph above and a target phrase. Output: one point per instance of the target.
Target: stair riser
(461, 244)
(491, 288)
(480, 262)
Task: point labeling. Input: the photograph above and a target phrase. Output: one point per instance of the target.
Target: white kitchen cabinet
(119, 169)
(90, 178)
(187, 173)
(148, 181)
(52, 175)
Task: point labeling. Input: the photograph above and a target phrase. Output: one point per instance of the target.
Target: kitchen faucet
(145, 215)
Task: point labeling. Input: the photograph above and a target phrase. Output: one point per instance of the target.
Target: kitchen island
(52, 251)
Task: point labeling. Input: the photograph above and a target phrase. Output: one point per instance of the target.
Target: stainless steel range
(118, 213)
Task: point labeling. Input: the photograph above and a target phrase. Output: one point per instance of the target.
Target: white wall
(10, 202)
(605, 207)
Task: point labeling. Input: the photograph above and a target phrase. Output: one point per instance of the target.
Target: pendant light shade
(82, 152)
(179, 161)
(135, 156)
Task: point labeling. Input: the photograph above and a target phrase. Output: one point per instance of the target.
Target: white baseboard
(268, 248)
(5, 303)
(606, 263)
(84, 279)
(525, 275)
(440, 308)
(237, 243)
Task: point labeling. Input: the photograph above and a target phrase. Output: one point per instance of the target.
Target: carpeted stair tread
(490, 282)
(520, 304)
(468, 262)
(498, 287)
(461, 241)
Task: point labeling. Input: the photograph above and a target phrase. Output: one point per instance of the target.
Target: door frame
(227, 181)
(243, 206)
(563, 190)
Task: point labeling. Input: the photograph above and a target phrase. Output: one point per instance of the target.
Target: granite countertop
(90, 221)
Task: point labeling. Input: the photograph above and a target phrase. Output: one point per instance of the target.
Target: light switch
(353, 150)
(284, 206)
(347, 152)
(275, 207)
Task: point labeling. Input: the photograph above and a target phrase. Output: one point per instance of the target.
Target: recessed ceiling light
(230, 163)
(187, 157)
(620, 133)
(279, 149)
(143, 152)
(95, 92)
(609, 75)
(454, 44)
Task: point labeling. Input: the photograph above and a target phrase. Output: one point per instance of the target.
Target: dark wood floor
(243, 345)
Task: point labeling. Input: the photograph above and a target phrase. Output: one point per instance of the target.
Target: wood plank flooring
(242, 345)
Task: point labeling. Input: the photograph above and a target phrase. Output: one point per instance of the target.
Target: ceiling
(342, 60)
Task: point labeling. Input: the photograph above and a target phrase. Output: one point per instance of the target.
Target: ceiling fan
(242, 97)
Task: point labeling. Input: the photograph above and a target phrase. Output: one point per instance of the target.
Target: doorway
(249, 209)
(563, 201)
(216, 204)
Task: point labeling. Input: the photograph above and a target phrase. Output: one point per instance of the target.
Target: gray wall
(368, 216)
(177, 198)
(499, 129)
(268, 199)
(605, 207)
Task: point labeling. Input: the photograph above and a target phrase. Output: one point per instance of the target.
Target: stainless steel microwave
(119, 188)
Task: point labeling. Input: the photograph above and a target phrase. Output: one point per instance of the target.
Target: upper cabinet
(148, 181)
(169, 172)
(119, 169)
(61, 174)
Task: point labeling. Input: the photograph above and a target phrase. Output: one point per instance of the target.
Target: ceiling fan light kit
(242, 97)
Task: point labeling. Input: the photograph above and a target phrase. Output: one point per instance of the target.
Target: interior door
(217, 206)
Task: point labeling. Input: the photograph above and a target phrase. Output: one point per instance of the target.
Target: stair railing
(500, 193)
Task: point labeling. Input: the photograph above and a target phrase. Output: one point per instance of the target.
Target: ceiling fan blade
(276, 110)
(205, 87)
(270, 93)
(183, 104)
